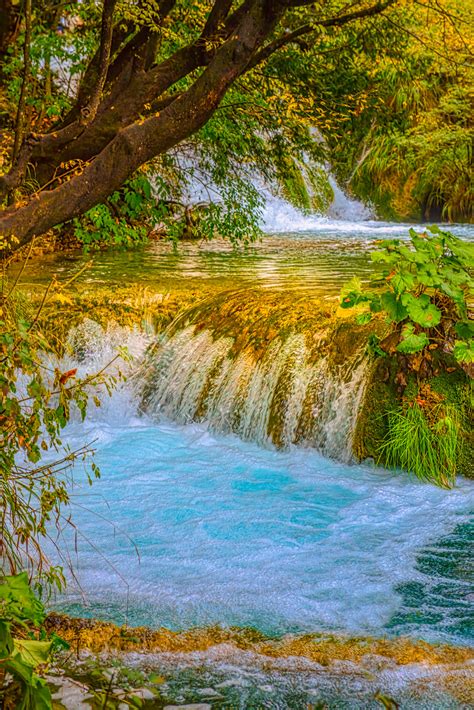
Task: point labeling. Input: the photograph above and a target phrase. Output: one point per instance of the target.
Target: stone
(193, 706)
(72, 695)
(143, 694)
(209, 693)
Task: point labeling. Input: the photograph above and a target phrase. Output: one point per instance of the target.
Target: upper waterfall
(280, 215)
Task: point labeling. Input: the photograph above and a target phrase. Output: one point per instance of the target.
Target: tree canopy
(94, 92)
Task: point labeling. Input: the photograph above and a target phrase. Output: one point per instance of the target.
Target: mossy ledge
(119, 667)
(253, 318)
(98, 636)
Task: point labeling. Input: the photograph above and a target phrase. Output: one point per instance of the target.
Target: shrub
(423, 290)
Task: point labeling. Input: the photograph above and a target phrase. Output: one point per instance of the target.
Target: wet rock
(209, 693)
(193, 706)
(72, 695)
(143, 694)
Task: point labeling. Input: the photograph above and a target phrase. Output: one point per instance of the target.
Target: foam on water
(232, 533)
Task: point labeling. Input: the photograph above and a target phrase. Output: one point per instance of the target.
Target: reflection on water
(320, 261)
(318, 266)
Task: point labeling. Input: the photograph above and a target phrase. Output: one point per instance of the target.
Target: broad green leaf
(33, 652)
(19, 602)
(384, 257)
(463, 250)
(19, 669)
(428, 275)
(363, 318)
(421, 310)
(403, 281)
(36, 696)
(464, 351)
(393, 306)
(465, 329)
(413, 343)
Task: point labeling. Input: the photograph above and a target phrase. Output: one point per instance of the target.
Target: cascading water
(280, 216)
(284, 396)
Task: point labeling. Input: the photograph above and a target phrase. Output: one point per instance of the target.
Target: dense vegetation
(407, 146)
(422, 291)
(204, 91)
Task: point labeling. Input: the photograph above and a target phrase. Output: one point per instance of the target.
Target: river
(190, 526)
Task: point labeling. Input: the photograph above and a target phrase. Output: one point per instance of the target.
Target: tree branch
(140, 142)
(336, 21)
(88, 112)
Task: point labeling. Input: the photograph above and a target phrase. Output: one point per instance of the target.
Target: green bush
(423, 290)
(24, 647)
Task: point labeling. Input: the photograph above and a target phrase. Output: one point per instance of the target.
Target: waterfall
(268, 385)
(279, 214)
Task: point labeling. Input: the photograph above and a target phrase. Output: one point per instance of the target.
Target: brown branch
(88, 112)
(20, 114)
(217, 15)
(336, 21)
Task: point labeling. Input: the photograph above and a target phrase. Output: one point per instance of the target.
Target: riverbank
(163, 668)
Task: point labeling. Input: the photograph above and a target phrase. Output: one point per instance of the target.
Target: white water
(284, 396)
(232, 533)
(279, 216)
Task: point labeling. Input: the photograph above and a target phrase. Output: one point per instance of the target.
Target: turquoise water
(231, 533)
(187, 527)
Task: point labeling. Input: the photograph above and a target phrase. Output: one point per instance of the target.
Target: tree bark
(9, 24)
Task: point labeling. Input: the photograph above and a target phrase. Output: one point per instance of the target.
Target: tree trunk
(129, 111)
(139, 142)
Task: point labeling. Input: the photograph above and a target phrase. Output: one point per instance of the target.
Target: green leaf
(353, 299)
(19, 669)
(384, 257)
(363, 318)
(463, 250)
(20, 602)
(393, 307)
(6, 641)
(413, 343)
(351, 294)
(33, 652)
(373, 346)
(421, 310)
(465, 329)
(464, 351)
(403, 281)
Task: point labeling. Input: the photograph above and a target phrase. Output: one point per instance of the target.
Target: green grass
(425, 447)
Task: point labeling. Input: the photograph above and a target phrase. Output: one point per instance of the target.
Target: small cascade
(266, 381)
(280, 216)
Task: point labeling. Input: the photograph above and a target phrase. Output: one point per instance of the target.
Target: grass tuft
(425, 445)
